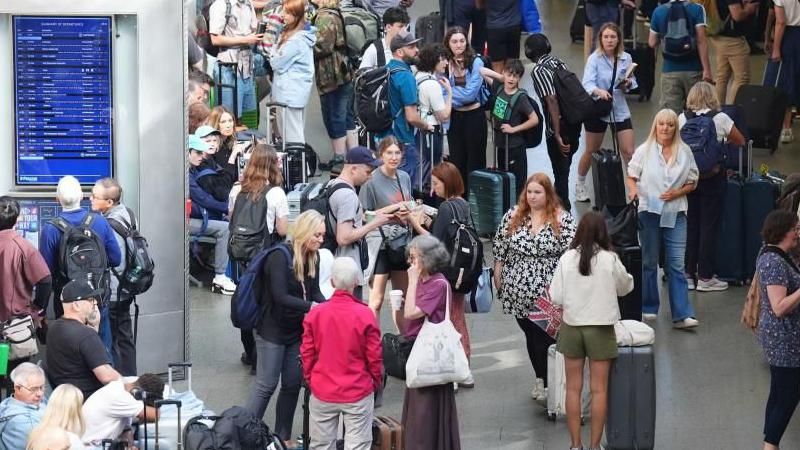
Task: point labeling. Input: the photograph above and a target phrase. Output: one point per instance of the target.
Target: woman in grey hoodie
(293, 66)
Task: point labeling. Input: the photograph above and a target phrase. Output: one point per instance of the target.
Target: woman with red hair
(531, 238)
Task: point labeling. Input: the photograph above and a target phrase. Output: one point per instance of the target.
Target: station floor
(712, 382)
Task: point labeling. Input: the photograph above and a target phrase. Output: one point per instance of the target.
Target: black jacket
(219, 183)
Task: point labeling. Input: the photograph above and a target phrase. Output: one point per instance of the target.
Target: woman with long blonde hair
(223, 120)
(531, 238)
(291, 289)
(661, 174)
(64, 412)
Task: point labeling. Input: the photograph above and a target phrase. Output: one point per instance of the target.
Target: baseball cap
(195, 143)
(206, 130)
(361, 155)
(401, 41)
(81, 289)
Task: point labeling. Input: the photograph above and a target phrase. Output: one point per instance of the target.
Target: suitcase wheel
(551, 416)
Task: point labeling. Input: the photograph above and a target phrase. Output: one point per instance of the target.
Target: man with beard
(403, 99)
(75, 353)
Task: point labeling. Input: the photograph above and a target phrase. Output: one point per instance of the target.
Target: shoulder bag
(20, 333)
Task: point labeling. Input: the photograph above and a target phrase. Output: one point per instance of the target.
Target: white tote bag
(437, 356)
(632, 333)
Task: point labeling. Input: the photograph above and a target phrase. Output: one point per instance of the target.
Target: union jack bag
(545, 314)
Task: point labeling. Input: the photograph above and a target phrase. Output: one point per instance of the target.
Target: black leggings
(537, 342)
(784, 394)
(467, 142)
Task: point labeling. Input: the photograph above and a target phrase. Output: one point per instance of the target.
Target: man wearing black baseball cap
(403, 100)
(75, 353)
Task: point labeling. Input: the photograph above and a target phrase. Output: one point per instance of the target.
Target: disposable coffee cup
(368, 216)
(396, 297)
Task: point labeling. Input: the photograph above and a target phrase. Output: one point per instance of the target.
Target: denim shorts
(337, 111)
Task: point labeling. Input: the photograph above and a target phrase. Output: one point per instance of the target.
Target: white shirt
(655, 175)
(277, 204)
(109, 411)
(722, 122)
(370, 57)
(792, 10)
(430, 97)
(590, 300)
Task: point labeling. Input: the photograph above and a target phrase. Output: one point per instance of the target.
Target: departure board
(62, 99)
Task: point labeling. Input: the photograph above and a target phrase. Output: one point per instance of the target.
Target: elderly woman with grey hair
(430, 418)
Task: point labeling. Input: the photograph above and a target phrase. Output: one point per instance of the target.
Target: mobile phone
(262, 28)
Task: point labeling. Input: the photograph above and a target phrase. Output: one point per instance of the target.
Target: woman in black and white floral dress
(531, 238)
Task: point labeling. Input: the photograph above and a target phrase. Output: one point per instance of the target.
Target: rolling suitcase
(644, 57)
(299, 196)
(759, 196)
(734, 159)
(387, 434)
(430, 29)
(764, 107)
(427, 160)
(631, 419)
(578, 22)
(221, 85)
(608, 179)
(729, 254)
(491, 194)
(298, 159)
(557, 386)
(630, 306)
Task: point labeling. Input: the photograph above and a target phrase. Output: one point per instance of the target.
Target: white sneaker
(689, 322)
(714, 284)
(538, 390)
(580, 193)
(786, 136)
(646, 316)
(222, 284)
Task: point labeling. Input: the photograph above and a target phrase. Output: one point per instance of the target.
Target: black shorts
(599, 126)
(384, 266)
(504, 43)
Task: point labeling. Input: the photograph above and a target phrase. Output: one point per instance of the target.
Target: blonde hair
(702, 96)
(667, 115)
(47, 438)
(620, 48)
(64, 410)
(305, 227)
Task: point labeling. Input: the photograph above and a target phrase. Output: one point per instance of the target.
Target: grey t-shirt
(381, 191)
(345, 206)
(502, 14)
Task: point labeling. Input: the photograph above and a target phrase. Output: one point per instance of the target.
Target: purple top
(431, 298)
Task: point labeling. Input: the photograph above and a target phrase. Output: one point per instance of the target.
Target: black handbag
(602, 107)
(396, 349)
(623, 227)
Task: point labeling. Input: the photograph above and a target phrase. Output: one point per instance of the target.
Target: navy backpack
(246, 305)
(700, 134)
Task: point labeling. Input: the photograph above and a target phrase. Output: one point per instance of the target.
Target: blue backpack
(700, 134)
(246, 304)
(680, 40)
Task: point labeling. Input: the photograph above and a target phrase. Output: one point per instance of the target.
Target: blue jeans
(410, 163)
(337, 111)
(276, 362)
(246, 91)
(651, 236)
(105, 332)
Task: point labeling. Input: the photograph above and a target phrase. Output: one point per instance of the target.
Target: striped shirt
(542, 74)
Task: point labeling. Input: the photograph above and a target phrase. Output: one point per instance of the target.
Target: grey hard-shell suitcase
(631, 420)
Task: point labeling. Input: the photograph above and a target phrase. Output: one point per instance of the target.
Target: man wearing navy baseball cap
(75, 353)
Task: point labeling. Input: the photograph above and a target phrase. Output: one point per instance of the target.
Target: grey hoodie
(119, 213)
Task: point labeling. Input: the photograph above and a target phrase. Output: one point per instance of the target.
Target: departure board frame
(47, 174)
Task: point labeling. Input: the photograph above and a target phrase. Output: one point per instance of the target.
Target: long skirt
(430, 419)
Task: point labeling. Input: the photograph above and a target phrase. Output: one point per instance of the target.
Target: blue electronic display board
(35, 212)
(62, 99)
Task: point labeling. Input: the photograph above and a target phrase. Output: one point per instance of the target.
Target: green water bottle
(4, 348)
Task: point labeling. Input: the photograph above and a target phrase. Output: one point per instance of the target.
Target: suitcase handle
(172, 366)
(158, 404)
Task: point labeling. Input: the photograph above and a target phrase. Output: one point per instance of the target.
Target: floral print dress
(529, 260)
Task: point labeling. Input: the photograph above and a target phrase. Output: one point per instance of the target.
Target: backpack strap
(379, 50)
(122, 229)
(61, 223)
(333, 189)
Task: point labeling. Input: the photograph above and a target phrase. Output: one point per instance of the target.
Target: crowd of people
(443, 99)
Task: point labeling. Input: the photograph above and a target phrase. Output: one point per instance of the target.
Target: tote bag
(437, 356)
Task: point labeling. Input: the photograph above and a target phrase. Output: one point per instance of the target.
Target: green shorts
(597, 342)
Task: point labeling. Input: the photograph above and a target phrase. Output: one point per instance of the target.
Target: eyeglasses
(32, 390)
(94, 197)
(92, 300)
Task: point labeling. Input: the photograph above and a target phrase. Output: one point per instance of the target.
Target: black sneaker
(338, 159)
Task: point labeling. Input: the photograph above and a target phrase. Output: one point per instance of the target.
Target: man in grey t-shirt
(346, 208)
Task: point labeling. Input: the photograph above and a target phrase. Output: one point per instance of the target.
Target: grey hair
(344, 273)
(432, 253)
(23, 372)
(69, 192)
(112, 188)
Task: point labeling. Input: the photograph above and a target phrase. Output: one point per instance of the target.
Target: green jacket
(330, 52)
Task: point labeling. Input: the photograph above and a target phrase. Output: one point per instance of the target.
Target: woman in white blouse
(660, 174)
(587, 282)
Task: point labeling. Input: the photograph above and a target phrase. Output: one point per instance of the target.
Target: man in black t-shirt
(731, 49)
(512, 113)
(75, 353)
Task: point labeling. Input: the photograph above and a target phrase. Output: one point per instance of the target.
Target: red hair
(551, 208)
(297, 8)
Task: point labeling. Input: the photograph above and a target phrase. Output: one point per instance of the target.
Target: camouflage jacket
(330, 52)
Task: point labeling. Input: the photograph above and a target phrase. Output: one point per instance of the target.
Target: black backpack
(575, 104)
(202, 22)
(248, 228)
(81, 253)
(321, 204)
(139, 266)
(466, 253)
(373, 110)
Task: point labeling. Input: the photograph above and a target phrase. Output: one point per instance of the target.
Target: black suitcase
(644, 57)
(578, 22)
(427, 161)
(764, 108)
(631, 420)
(759, 196)
(430, 29)
(608, 179)
(729, 255)
(630, 306)
(735, 155)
